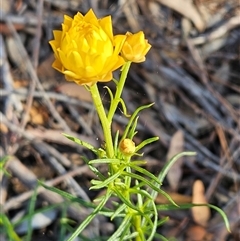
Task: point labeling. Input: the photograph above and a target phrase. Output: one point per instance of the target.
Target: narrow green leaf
(119, 210)
(139, 162)
(109, 92)
(132, 131)
(162, 221)
(160, 237)
(31, 213)
(106, 182)
(124, 108)
(167, 166)
(122, 229)
(116, 142)
(104, 161)
(130, 236)
(96, 172)
(109, 214)
(68, 196)
(190, 205)
(146, 142)
(145, 172)
(3, 162)
(151, 185)
(140, 192)
(153, 224)
(115, 81)
(12, 235)
(134, 115)
(127, 202)
(82, 143)
(85, 223)
(63, 220)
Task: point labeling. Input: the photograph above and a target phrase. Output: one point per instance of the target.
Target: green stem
(106, 124)
(137, 225)
(119, 90)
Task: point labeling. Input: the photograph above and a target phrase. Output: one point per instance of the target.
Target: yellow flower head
(135, 47)
(85, 50)
(127, 147)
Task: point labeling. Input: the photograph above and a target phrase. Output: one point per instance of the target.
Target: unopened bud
(127, 147)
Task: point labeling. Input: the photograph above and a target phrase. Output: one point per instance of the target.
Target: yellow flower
(85, 50)
(135, 47)
(127, 147)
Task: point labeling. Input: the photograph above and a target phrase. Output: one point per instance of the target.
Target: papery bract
(135, 47)
(85, 49)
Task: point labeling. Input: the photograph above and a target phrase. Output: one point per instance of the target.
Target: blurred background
(192, 74)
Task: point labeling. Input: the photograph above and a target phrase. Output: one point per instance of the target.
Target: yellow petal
(63, 58)
(57, 65)
(67, 20)
(71, 74)
(91, 17)
(57, 35)
(106, 24)
(118, 42)
(86, 50)
(75, 59)
(106, 77)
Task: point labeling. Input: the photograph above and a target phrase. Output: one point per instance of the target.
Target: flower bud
(135, 47)
(127, 147)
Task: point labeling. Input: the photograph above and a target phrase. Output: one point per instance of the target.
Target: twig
(36, 47)
(3, 189)
(219, 32)
(131, 12)
(203, 152)
(33, 83)
(50, 135)
(47, 152)
(206, 115)
(179, 77)
(34, 77)
(7, 81)
(79, 119)
(232, 210)
(22, 92)
(16, 202)
(30, 180)
(23, 21)
(71, 5)
(215, 181)
(202, 73)
(45, 148)
(188, 9)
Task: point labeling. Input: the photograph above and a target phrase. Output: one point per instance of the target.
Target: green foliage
(7, 228)
(127, 179)
(3, 162)
(135, 187)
